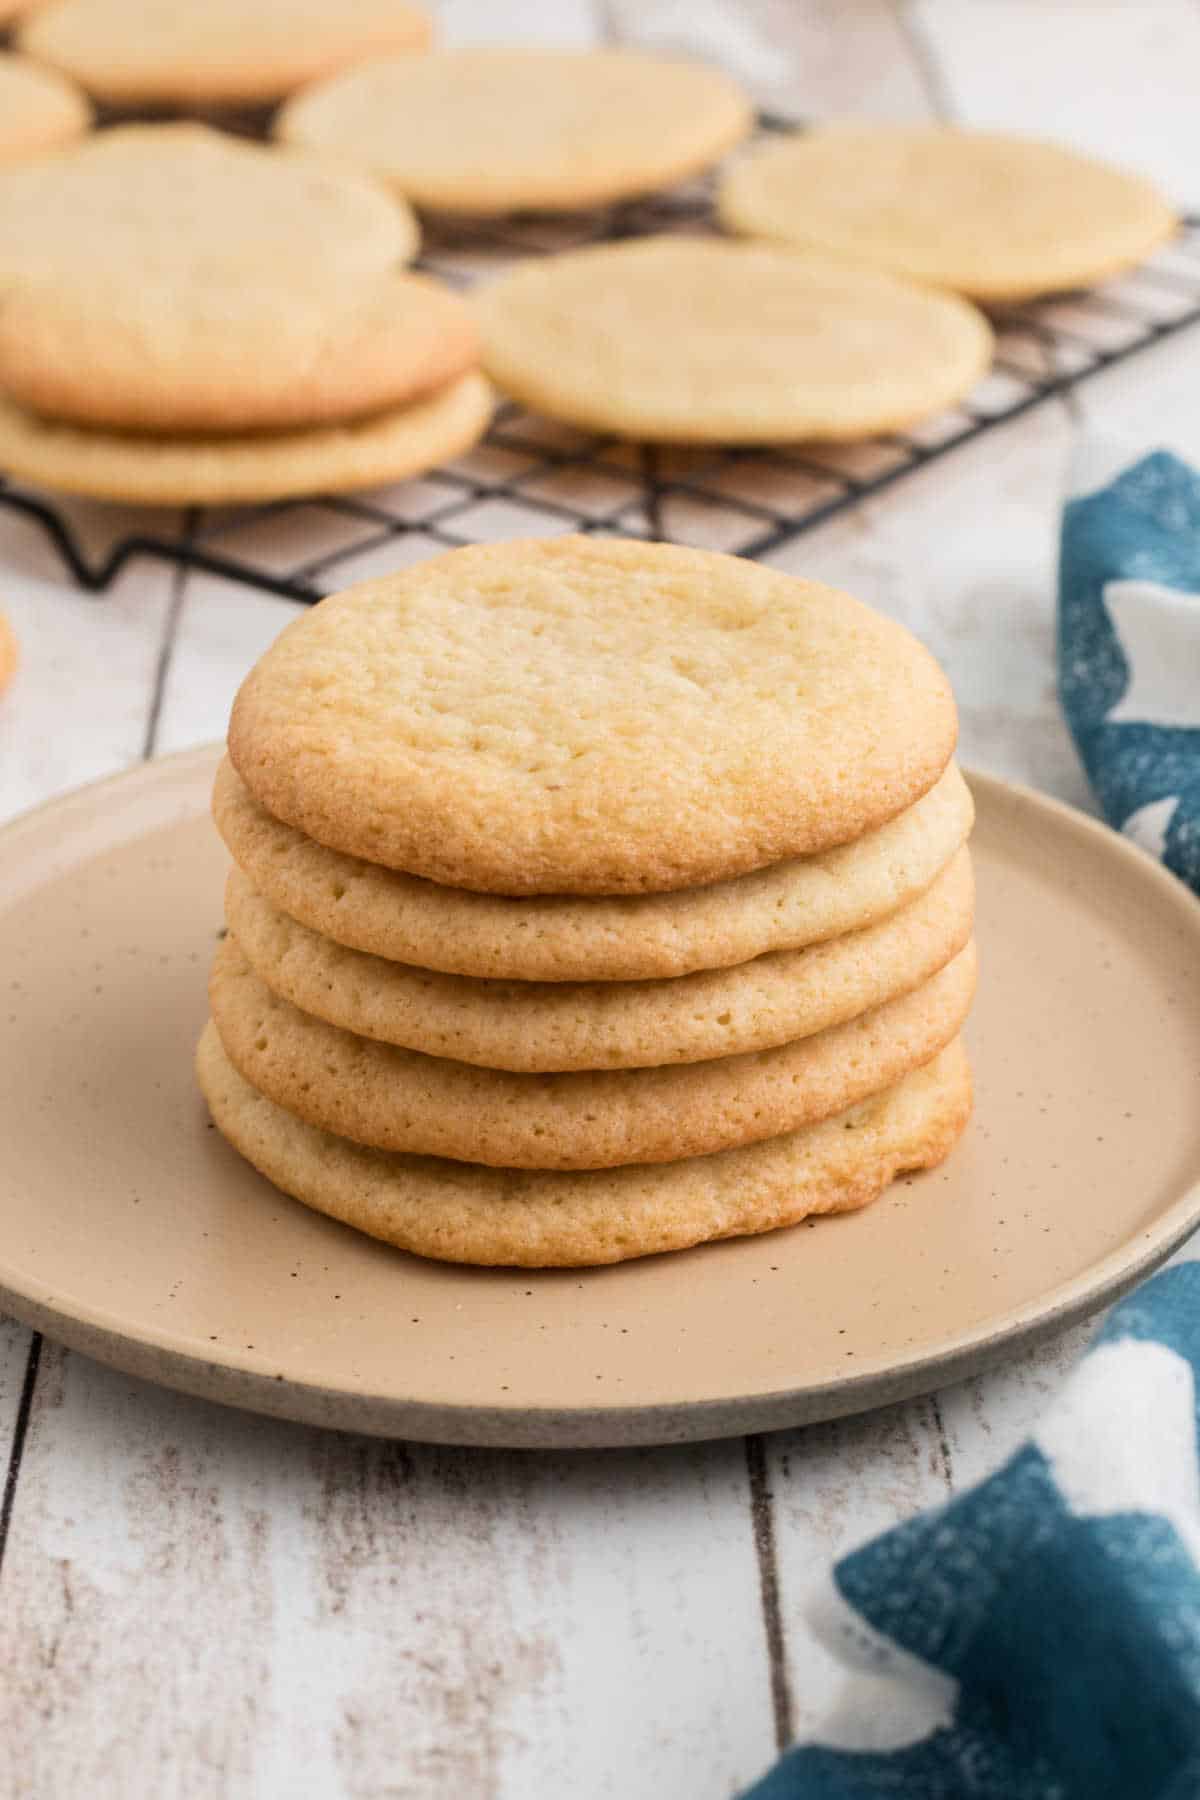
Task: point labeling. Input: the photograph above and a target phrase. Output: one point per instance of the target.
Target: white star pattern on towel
(1149, 825)
(1159, 631)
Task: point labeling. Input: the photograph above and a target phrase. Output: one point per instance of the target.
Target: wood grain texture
(200, 1603)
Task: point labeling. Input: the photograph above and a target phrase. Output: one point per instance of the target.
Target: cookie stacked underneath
(591, 899)
(189, 319)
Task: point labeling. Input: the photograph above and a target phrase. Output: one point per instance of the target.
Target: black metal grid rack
(531, 476)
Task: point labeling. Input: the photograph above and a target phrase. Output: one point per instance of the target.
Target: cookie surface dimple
(694, 340)
(590, 716)
(401, 1100)
(162, 278)
(493, 130)
(534, 1219)
(988, 214)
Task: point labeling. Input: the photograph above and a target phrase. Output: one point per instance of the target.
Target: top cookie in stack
(593, 898)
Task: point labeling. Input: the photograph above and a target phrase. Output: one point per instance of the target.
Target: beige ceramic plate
(129, 1230)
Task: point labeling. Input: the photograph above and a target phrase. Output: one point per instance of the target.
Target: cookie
(184, 203)
(990, 215)
(239, 468)
(582, 715)
(9, 655)
(493, 130)
(38, 109)
(537, 1026)
(223, 52)
(693, 340)
(536, 1219)
(136, 354)
(632, 938)
(400, 1100)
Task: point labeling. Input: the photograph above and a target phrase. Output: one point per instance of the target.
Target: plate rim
(248, 1381)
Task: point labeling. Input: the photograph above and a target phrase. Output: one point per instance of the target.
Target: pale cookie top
(694, 340)
(185, 202)
(491, 130)
(38, 109)
(805, 900)
(140, 352)
(994, 216)
(216, 51)
(590, 716)
(241, 467)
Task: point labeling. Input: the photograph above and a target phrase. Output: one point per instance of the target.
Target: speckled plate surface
(129, 1230)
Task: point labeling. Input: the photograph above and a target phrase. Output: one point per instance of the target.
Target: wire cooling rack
(533, 477)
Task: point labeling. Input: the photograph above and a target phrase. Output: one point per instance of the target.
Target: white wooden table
(198, 1603)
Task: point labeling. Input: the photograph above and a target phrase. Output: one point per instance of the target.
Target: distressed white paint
(196, 1603)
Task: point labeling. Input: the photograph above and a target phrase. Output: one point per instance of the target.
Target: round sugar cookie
(537, 1219)
(217, 52)
(993, 216)
(181, 203)
(635, 937)
(538, 1026)
(398, 1099)
(238, 469)
(135, 353)
(582, 715)
(694, 340)
(494, 130)
(38, 108)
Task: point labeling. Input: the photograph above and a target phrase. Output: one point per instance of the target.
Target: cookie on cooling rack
(235, 469)
(497, 130)
(694, 340)
(225, 321)
(220, 52)
(38, 109)
(994, 216)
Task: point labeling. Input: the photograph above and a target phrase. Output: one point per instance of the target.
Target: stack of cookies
(188, 319)
(592, 898)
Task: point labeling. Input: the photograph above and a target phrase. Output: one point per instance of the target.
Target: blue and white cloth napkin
(1038, 1638)
(1129, 645)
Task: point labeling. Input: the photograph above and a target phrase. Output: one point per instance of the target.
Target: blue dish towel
(1038, 1638)
(1129, 646)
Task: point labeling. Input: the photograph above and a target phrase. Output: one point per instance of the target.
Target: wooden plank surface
(197, 1603)
(201, 1603)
